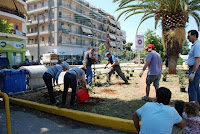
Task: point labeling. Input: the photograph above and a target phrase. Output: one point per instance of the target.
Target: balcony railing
(17, 32)
(12, 12)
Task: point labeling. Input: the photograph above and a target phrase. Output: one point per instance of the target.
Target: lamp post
(38, 33)
(38, 37)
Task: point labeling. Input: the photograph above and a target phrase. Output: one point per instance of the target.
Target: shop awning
(113, 44)
(81, 18)
(98, 16)
(8, 4)
(85, 30)
(20, 7)
(112, 37)
(112, 21)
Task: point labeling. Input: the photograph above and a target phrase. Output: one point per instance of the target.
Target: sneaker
(145, 98)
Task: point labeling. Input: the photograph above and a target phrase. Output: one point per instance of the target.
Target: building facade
(13, 44)
(70, 27)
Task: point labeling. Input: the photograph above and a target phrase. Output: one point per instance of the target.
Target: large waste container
(35, 76)
(12, 80)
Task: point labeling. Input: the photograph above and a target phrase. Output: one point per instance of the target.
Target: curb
(86, 117)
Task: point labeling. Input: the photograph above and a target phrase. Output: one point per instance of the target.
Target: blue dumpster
(12, 80)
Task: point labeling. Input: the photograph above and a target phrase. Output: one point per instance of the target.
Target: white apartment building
(70, 27)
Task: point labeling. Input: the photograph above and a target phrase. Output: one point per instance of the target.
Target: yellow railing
(7, 107)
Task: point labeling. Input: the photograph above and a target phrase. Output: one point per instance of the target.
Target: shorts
(153, 78)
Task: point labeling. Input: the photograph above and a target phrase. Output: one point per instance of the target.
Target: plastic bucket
(82, 95)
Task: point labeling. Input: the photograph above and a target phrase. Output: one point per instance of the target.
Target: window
(42, 4)
(42, 38)
(35, 29)
(29, 8)
(35, 6)
(42, 28)
(16, 27)
(35, 17)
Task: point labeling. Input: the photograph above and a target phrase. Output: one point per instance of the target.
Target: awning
(85, 30)
(112, 37)
(112, 21)
(20, 7)
(113, 44)
(98, 16)
(81, 18)
(8, 4)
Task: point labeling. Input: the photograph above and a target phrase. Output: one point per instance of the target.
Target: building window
(16, 27)
(42, 38)
(35, 18)
(35, 6)
(42, 28)
(29, 8)
(42, 4)
(35, 29)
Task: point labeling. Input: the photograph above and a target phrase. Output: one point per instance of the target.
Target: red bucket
(82, 95)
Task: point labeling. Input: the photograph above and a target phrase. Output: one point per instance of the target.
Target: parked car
(4, 63)
(80, 62)
(69, 61)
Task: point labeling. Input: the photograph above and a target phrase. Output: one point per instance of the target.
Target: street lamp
(38, 33)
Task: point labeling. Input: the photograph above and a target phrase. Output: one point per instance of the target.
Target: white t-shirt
(157, 118)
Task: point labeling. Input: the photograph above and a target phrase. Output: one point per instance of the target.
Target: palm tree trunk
(172, 63)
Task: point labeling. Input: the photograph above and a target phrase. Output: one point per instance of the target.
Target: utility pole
(38, 36)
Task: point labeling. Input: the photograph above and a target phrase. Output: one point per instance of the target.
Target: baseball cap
(149, 46)
(65, 65)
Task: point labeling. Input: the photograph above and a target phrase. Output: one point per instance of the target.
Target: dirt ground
(117, 99)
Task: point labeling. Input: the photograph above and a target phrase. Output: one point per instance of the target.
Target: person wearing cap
(89, 59)
(154, 64)
(51, 75)
(72, 78)
(114, 67)
(194, 69)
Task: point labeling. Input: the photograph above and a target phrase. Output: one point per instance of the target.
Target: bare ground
(117, 99)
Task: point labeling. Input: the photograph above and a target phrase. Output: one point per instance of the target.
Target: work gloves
(191, 76)
(141, 73)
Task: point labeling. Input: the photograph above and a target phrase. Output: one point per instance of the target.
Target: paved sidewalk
(26, 121)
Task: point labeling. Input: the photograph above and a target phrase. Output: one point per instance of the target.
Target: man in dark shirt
(89, 59)
(114, 67)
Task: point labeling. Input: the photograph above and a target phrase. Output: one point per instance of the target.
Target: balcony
(38, 10)
(22, 37)
(12, 14)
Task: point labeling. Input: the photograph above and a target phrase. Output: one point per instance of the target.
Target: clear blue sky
(131, 24)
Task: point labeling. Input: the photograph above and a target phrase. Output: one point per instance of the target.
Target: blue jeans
(89, 75)
(193, 88)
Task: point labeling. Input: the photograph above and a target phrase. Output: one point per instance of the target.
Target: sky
(131, 24)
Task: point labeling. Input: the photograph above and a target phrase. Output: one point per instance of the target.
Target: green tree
(173, 15)
(5, 27)
(185, 48)
(152, 38)
(128, 46)
(102, 49)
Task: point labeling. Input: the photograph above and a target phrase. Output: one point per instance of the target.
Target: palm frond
(196, 17)
(144, 19)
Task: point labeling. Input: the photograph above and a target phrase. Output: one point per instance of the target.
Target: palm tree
(173, 15)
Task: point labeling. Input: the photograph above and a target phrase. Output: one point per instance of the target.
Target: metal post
(38, 36)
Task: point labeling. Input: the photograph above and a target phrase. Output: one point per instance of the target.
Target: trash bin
(12, 80)
(35, 76)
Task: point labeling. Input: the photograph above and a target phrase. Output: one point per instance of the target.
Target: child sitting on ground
(192, 118)
(179, 106)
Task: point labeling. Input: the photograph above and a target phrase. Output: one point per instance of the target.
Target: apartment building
(13, 44)
(70, 27)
